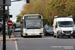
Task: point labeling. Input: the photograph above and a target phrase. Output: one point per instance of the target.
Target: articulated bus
(32, 25)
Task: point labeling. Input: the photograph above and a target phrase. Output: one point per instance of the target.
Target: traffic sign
(1, 13)
(9, 23)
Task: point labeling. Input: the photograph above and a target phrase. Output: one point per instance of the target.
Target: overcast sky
(16, 8)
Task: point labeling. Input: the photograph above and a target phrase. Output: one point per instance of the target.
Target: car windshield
(33, 24)
(65, 24)
(49, 28)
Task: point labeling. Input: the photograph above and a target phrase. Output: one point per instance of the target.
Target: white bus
(17, 27)
(32, 25)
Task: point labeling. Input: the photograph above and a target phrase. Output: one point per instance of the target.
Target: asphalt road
(44, 43)
(37, 43)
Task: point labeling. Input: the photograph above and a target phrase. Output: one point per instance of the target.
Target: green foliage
(50, 8)
(18, 18)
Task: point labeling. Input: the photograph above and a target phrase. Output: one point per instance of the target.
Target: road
(45, 43)
(37, 43)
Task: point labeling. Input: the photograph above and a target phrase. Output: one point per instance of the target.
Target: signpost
(4, 3)
(9, 23)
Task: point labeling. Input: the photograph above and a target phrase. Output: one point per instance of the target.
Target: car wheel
(57, 35)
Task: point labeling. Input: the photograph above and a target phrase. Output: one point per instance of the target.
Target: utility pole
(8, 19)
(4, 35)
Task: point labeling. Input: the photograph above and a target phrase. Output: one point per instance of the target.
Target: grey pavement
(46, 44)
(17, 34)
(0, 46)
(10, 45)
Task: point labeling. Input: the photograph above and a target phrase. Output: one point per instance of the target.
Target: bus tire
(54, 36)
(40, 36)
(73, 36)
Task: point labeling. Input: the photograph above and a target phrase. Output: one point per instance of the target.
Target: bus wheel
(73, 36)
(40, 36)
(54, 36)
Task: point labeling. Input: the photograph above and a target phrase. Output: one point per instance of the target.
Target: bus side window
(24, 24)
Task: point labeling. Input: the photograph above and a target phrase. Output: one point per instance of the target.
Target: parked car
(48, 31)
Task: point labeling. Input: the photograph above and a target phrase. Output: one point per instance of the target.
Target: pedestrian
(0, 27)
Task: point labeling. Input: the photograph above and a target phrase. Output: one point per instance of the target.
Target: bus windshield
(33, 24)
(66, 24)
(18, 25)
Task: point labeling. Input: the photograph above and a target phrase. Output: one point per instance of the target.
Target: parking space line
(16, 45)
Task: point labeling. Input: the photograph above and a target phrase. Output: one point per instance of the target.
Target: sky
(15, 9)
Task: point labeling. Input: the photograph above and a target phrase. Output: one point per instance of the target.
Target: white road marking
(16, 45)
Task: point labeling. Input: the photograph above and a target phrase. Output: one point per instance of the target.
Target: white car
(63, 26)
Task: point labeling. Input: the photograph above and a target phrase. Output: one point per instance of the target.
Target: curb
(9, 39)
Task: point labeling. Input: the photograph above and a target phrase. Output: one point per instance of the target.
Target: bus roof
(31, 15)
(17, 23)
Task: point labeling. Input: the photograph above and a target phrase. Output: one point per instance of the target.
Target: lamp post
(4, 35)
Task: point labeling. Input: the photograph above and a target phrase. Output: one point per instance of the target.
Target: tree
(50, 8)
(18, 18)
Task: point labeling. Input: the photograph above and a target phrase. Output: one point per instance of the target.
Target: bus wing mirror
(21, 22)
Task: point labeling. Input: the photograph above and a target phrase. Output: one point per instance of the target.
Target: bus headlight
(25, 29)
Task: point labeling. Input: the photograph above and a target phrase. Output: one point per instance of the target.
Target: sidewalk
(7, 38)
(11, 43)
